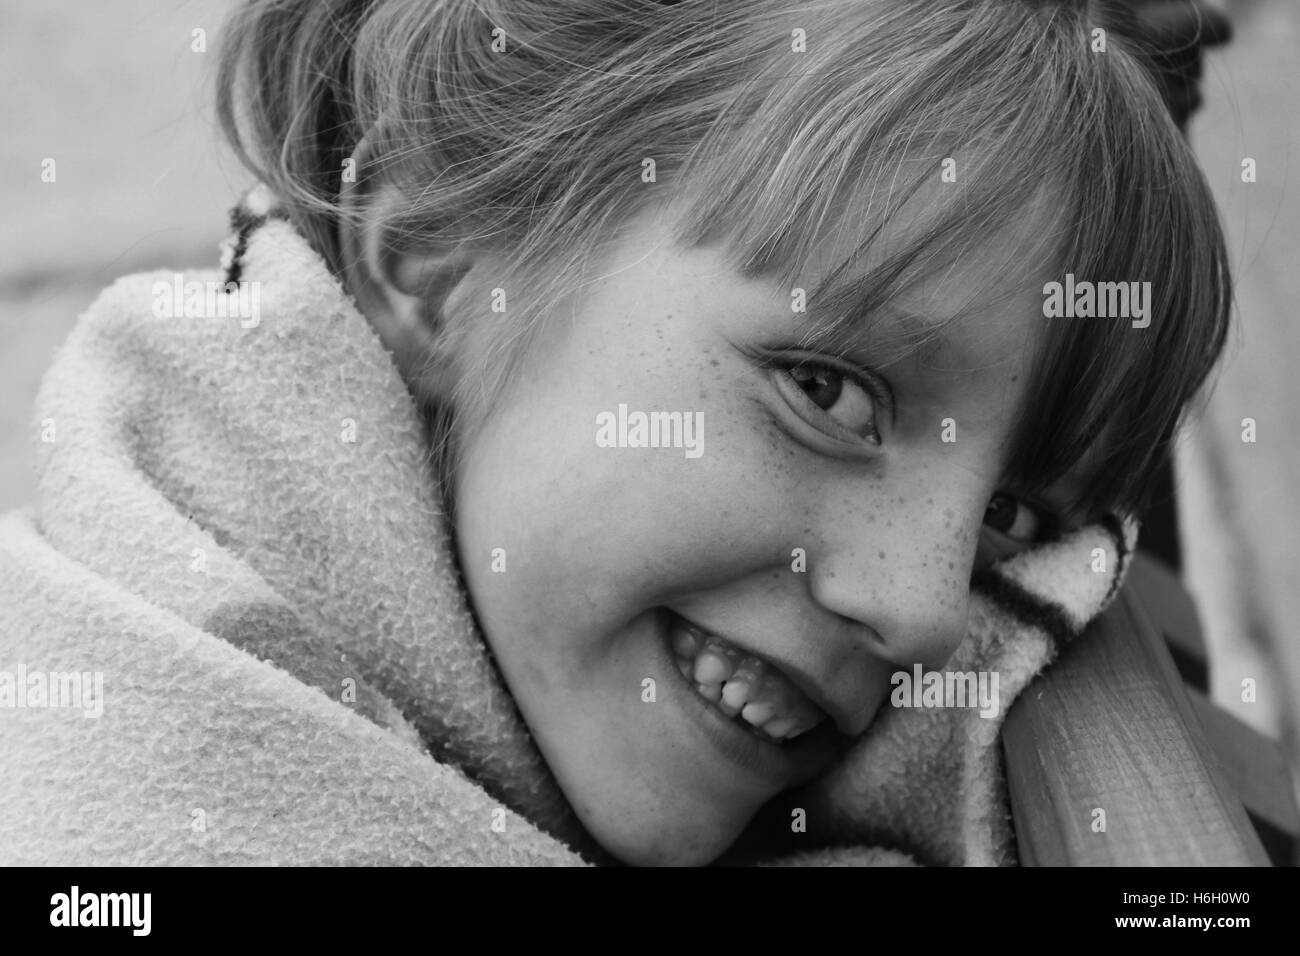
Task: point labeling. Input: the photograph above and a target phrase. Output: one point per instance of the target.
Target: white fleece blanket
(238, 549)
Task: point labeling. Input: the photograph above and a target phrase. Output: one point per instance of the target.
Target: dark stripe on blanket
(1028, 608)
(245, 222)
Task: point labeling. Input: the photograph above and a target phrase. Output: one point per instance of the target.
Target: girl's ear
(402, 295)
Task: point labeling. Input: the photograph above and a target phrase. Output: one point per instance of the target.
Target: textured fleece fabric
(238, 527)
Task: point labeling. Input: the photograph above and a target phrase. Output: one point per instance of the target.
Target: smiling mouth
(744, 688)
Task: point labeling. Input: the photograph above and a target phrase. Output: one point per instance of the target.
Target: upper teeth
(741, 685)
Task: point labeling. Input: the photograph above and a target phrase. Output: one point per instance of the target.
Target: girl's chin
(691, 843)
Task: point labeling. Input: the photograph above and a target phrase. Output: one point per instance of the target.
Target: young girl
(745, 396)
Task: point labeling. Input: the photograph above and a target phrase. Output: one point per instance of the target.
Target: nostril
(929, 637)
(875, 640)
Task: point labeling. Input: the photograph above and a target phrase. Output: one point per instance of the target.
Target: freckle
(889, 524)
(882, 555)
(951, 566)
(715, 363)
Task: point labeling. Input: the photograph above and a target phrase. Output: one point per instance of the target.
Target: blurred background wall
(1239, 502)
(114, 92)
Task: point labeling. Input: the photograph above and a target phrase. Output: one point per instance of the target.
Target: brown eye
(1012, 518)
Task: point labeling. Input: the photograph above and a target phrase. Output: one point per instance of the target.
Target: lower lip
(784, 765)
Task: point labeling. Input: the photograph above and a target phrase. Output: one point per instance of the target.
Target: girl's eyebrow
(911, 331)
(925, 333)
(935, 340)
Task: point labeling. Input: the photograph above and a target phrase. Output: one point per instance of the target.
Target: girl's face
(689, 630)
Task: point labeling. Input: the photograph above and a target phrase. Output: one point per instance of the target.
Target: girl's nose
(905, 580)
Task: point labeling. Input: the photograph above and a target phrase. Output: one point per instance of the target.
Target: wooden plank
(1253, 764)
(1109, 727)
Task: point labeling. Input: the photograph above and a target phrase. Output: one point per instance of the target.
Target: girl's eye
(1013, 519)
(848, 403)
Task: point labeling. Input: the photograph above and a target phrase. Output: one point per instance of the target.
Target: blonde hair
(539, 149)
